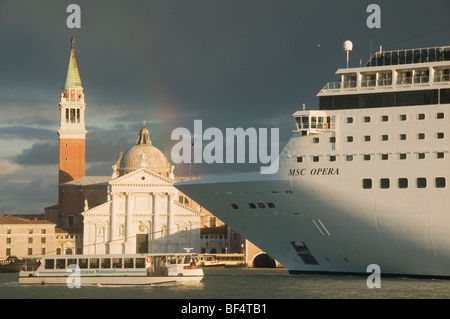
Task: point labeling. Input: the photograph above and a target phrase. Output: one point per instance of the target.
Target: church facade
(143, 212)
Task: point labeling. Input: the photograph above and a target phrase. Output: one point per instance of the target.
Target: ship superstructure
(363, 179)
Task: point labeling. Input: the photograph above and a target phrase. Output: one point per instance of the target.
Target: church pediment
(141, 177)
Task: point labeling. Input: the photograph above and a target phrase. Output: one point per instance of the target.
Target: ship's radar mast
(348, 46)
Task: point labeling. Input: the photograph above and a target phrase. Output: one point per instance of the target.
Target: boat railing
(442, 78)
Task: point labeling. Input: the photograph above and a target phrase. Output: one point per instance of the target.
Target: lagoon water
(241, 284)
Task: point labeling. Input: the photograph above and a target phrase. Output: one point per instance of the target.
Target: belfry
(72, 132)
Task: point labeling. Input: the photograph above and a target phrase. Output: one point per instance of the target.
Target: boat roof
(409, 56)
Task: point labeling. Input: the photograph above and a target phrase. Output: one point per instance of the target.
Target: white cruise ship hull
(323, 221)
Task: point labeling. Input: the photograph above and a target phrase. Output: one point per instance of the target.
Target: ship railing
(339, 85)
(442, 78)
(413, 80)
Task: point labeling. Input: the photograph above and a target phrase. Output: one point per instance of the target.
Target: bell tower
(72, 132)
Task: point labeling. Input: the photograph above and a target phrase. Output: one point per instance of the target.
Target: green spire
(73, 76)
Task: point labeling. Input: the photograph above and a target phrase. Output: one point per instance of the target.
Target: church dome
(144, 155)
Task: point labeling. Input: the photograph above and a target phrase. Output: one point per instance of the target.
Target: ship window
(320, 123)
(71, 261)
(384, 157)
(106, 262)
(252, 206)
(367, 183)
(385, 183)
(349, 139)
(439, 155)
(333, 139)
(421, 136)
(384, 137)
(332, 158)
(349, 119)
(49, 264)
(445, 94)
(440, 115)
(421, 182)
(384, 118)
(366, 119)
(83, 263)
(128, 263)
(367, 138)
(305, 122)
(421, 116)
(299, 159)
(60, 263)
(420, 155)
(367, 157)
(271, 205)
(439, 182)
(315, 158)
(313, 121)
(315, 140)
(93, 263)
(402, 183)
(349, 158)
(402, 117)
(440, 135)
(117, 262)
(234, 206)
(402, 156)
(402, 137)
(140, 262)
(261, 205)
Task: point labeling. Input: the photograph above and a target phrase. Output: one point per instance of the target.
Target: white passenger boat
(123, 269)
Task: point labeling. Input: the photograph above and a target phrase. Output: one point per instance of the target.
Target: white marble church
(142, 212)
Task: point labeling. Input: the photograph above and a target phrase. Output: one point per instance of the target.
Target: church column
(129, 235)
(156, 229)
(113, 235)
(170, 225)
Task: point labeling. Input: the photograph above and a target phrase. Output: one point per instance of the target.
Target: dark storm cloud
(234, 63)
(26, 133)
(39, 154)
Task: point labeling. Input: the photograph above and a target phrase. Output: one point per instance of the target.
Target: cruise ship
(362, 180)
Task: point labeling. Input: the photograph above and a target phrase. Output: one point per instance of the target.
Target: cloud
(39, 154)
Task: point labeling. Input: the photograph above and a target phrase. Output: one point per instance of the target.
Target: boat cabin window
(305, 122)
(106, 262)
(313, 122)
(71, 261)
(49, 264)
(128, 263)
(349, 80)
(140, 262)
(60, 263)
(93, 263)
(117, 262)
(83, 263)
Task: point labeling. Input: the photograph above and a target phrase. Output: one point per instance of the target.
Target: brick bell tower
(72, 132)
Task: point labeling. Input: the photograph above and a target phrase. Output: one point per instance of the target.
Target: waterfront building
(21, 237)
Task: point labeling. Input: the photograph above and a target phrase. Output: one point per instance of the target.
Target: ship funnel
(348, 46)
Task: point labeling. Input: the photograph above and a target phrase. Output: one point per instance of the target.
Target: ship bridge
(313, 122)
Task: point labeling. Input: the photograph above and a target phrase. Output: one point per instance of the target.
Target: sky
(229, 63)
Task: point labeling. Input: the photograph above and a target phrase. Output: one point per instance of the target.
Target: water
(241, 284)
